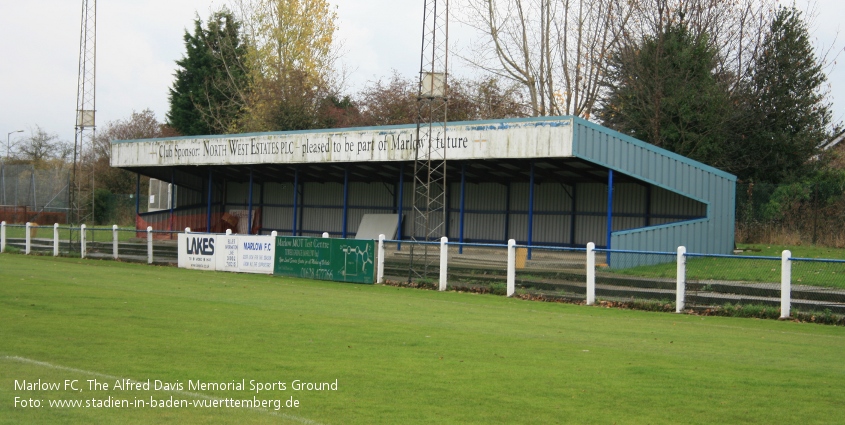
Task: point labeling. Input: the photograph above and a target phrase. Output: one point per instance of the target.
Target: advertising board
(341, 260)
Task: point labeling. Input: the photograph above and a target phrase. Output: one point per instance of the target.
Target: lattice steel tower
(80, 196)
(430, 154)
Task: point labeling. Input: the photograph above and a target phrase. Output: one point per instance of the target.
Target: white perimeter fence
(686, 280)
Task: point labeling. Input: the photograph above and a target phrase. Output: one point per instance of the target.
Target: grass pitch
(398, 355)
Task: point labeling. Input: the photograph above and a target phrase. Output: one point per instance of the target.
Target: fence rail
(678, 281)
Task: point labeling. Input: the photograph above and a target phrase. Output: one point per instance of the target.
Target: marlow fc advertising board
(524, 139)
(342, 260)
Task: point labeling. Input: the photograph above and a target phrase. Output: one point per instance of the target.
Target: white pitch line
(187, 393)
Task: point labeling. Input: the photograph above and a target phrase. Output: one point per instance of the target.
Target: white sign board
(256, 254)
(232, 253)
(525, 138)
(227, 253)
(197, 251)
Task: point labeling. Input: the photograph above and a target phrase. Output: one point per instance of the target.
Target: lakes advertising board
(341, 260)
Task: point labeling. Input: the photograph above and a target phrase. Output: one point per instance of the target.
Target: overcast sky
(138, 42)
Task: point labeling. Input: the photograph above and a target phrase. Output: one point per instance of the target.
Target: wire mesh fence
(411, 263)
(550, 273)
(733, 281)
(33, 194)
(818, 286)
(636, 276)
(808, 211)
(480, 268)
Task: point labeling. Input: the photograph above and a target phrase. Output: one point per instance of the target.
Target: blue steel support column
(249, 210)
(447, 207)
(609, 211)
(399, 206)
(463, 205)
(172, 193)
(137, 194)
(261, 208)
(530, 209)
(208, 216)
(345, 200)
(507, 210)
(572, 216)
(302, 207)
(295, 199)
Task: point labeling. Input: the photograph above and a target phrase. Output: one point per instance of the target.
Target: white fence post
(274, 234)
(591, 273)
(444, 260)
(150, 244)
(114, 241)
(325, 234)
(2, 236)
(187, 230)
(681, 288)
(380, 272)
(785, 283)
(511, 267)
(82, 241)
(55, 239)
(28, 238)
(228, 232)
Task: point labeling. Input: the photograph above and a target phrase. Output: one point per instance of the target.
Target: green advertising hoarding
(341, 260)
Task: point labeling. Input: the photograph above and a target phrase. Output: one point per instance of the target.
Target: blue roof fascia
(660, 226)
(648, 146)
(501, 123)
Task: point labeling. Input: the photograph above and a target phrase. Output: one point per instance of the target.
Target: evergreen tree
(207, 95)
(664, 90)
(787, 102)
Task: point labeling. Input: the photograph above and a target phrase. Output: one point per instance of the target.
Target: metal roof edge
(660, 226)
(348, 129)
(649, 146)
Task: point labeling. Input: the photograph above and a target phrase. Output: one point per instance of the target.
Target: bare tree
(556, 50)
(395, 101)
(139, 125)
(42, 146)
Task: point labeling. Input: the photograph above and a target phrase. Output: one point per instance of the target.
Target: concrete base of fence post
(228, 232)
(114, 241)
(511, 267)
(83, 246)
(380, 269)
(785, 284)
(274, 233)
(55, 239)
(591, 273)
(325, 234)
(28, 247)
(444, 260)
(681, 279)
(2, 236)
(150, 244)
